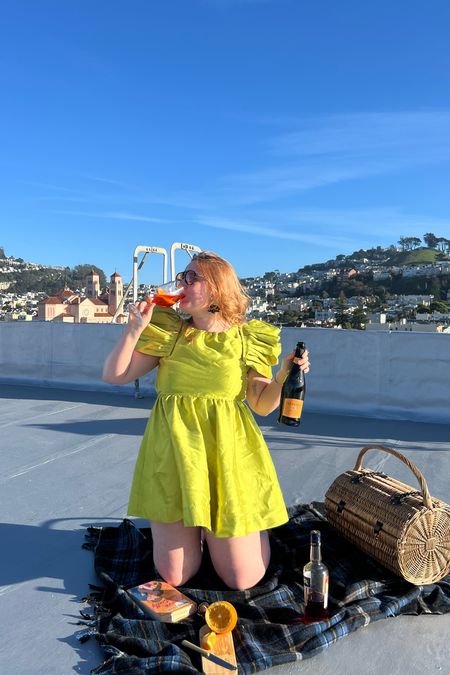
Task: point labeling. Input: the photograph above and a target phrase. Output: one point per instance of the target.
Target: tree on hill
(341, 314)
(291, 316)
(50, 280)
(79, 273)
(422, 309)
(443, 244)
(382, 293)
(2, 253)
(409, 243)
(440, 243)
(430, 240)
(359, 318)
(270, 276)
(439, 306)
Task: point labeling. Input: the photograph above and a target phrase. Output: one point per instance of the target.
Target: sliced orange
(221, 616)
(208, 641)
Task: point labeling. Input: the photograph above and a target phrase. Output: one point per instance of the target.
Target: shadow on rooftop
(132, 426)
(89, 653)
(348, 428)
(56, 555)
(363, 430)
(34, 552)
(126, 399)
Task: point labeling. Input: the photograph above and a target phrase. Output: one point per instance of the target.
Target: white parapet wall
(397, 375)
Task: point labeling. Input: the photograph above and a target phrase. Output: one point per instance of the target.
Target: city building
(68, 307)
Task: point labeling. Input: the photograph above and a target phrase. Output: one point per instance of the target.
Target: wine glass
(167, 294)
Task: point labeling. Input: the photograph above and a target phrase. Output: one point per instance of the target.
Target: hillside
(364, 284)
(381, 257)
(29, 277)
(26, 277)
(49, 280)
(417, 257)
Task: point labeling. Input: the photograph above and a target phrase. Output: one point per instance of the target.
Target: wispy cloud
(237, 225)
(109, 181)
(85, 191)
(313, 153)
(114, 215)
(326, 151)
(384, 220)
(417, 135)
(382, 225)
(284, 180)
(289, 232)
(50, 186)
(229, 3)
(345, 147)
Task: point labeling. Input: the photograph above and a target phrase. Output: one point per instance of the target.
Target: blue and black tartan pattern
(270, 630)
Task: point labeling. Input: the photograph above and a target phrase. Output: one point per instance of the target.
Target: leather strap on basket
(418, 474)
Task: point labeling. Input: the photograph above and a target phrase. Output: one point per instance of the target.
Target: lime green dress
(203, 459)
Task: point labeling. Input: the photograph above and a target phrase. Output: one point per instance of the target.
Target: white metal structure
(189, 248)
(137, 266)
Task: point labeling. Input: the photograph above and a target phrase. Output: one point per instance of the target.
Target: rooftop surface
(67, 460)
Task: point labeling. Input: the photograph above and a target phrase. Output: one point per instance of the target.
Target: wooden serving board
(223, 647)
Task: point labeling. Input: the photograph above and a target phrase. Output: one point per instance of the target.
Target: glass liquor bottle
(293, 392)
(315, 582)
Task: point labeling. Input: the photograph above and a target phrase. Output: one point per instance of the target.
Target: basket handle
(416, 471)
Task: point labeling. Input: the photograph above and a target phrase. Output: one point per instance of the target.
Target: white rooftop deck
(68, 455)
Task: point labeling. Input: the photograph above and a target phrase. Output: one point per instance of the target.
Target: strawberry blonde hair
(226, 290)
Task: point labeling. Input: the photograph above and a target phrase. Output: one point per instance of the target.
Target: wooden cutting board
(223, 647)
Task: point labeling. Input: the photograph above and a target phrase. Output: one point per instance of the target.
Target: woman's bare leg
(240, 561)
(177, 551)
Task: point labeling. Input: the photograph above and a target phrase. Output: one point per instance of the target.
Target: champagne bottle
(293, 392)
(315, 582)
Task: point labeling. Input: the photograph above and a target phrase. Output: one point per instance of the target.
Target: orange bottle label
(292, 407)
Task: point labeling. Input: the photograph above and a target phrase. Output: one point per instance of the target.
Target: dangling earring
(213, 309)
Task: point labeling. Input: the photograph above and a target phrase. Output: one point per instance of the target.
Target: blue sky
(278, 133)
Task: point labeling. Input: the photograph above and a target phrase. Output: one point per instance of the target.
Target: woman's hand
(124, 364)
(287, 362)
(140, 315)
(263, 394)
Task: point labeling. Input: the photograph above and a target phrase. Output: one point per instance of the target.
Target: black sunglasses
(188, 277)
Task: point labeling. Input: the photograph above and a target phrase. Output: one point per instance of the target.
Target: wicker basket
(405, 530)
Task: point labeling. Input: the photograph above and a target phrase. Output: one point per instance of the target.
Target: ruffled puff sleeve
(159, 337)
(263, 346)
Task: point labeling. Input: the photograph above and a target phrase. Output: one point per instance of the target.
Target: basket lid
(424, 548)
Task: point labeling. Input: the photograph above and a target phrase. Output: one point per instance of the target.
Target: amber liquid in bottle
(315, 583)
(293, 392)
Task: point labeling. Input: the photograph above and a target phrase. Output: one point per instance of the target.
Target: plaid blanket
(270, 631)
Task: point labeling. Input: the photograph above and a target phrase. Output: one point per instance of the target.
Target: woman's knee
(243, 579)
(177, 567)
(177, 576)
(177, 552)
(240, 562)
